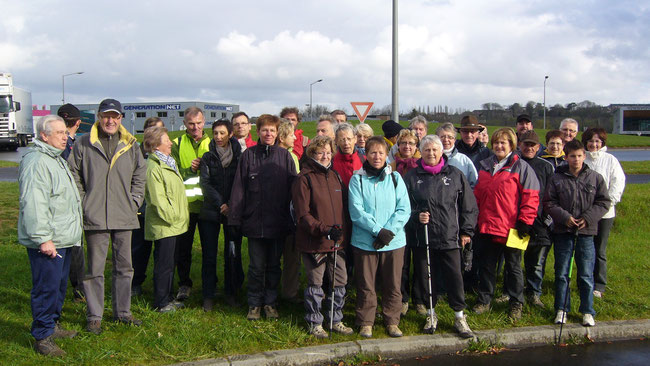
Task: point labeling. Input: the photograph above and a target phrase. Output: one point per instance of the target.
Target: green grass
(7, 164)
(191, 334)
(636, 167)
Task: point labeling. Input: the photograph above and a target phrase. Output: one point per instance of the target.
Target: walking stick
(426, 242)
(336, 245)
(568, 285)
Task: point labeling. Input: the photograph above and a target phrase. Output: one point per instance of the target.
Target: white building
(631, 119)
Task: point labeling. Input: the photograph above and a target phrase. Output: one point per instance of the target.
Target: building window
(181, 114)
(213, 114)
(162, 114)
(223, 114)
(140, 114)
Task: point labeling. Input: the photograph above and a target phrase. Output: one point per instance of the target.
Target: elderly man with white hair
(49, 225)
(569, 128)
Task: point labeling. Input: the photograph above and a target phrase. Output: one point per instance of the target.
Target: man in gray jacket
(110, 173)
(49, 226)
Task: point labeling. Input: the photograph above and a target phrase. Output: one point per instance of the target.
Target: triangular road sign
(361, 109)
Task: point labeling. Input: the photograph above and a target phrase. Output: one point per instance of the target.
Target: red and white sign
(361, 109)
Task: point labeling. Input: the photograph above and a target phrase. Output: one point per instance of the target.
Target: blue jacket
(375, 204)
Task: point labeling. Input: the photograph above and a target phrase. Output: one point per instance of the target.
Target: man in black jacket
(469, 143)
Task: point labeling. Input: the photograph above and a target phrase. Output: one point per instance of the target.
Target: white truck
(16, 120)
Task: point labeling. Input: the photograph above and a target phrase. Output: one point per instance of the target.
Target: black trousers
(491, 251)
(140, 253)
(163, 270)
(184, 249)
(264, 270)
(445, 271)
(77, 267)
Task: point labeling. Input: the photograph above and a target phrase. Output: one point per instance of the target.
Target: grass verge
(636, 167)
(191, 334)
(7, 164)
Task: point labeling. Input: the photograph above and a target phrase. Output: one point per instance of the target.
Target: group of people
(399, 214)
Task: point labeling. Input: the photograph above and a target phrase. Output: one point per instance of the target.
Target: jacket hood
(387, 171)
(564, 169)
(309, 165)
(45, 148)
(125, 136)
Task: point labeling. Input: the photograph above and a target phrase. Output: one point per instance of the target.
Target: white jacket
(609, 167)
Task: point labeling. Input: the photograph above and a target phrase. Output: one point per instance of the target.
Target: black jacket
(448, 198)
(476, 152)
(261, 192)
(216, 181)
(584, 196)
(544, 171)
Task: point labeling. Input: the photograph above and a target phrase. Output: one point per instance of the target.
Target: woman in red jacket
(507, 194)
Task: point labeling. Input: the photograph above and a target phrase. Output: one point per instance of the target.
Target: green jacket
(186, 170)
(50, 206)
(166, 214)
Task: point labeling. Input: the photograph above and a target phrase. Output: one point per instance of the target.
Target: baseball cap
(529, 136)
(110, 105)
(523, 117)
(68, 111)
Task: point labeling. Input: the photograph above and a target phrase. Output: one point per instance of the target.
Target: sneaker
(254, 313)
(341, 328)
(169, 308)
(318, 331)
(481, 308)
(461, 326)
(59, 332)
(598, 294)
(365, 331)
(536, 301)
(560, 317)
(47, 347)
(136, 290)
(421, 309)
(208, 305)
(270, 312)
(183, 293)
(405, 308)
(128, 320)
(94, 327)
(502, 299)
(515, 311)
(430, 324)
(588, 320)
(393, 331)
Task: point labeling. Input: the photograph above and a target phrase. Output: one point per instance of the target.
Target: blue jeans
(585, 254)
(49, 283)
(535, 263)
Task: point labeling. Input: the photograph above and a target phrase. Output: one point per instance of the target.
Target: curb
(411, 346)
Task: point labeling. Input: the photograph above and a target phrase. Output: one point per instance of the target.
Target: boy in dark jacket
(576, 198)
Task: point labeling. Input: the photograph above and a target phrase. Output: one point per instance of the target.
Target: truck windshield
(5, 103)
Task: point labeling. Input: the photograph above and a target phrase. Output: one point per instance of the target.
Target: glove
(523, 229)
(335, 233)
(468, 256)
(383, 238)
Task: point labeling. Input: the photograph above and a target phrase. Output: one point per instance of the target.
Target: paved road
(14, 156)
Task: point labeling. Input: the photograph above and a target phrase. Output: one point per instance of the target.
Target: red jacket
(249, 141)
(511, 194)
(346, 164)
(300, 143)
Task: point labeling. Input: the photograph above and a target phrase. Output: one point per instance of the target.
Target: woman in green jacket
(167, 215)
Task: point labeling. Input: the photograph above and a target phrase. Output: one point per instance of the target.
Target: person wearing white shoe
(588, 320)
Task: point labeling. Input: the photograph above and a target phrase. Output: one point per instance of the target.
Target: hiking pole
(426, 242)
(336, 246)
(568, 285)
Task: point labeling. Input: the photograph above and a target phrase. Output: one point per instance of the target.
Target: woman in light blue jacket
(379, 209)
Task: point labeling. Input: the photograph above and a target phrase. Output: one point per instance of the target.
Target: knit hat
(391, 128)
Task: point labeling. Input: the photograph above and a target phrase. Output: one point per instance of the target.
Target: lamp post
(395, 69)
(310, 97)
(545, 78)
(63, 84)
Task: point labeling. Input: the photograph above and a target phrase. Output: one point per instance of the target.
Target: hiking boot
(393, 331)
(461, 326)
(169, 308)
(318, 331)
(430, 324)
(536, 301)
(481, 308)
(47, 347)
(502, 299)
(515, 311)
(136, 290)
(341, 328)
(365, 331)
(254, 313)
(128, 320)
(560, 317)
(598, 294)
(59, 332)
(208, 305)
(183, 293)
(421, 309)
(270, 312)
(588, 320)
(94, 327)
(405, 308)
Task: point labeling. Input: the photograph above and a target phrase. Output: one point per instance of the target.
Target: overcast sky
(263, 55)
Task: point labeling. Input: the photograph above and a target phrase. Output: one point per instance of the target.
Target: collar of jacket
(155, 159)
(46, 148)
(548, 155)
(420, 170)
(125, 137)
(387, 171)
(310, 165)
(564, 169)
(472, 149)
(489, 163)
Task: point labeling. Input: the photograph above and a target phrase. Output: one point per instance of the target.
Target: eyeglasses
(406, 143)
(323, 153)
(445, 137)
(568, 130)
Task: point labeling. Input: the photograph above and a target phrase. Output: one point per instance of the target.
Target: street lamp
(545, 78)
(63, 84)
(310, 97)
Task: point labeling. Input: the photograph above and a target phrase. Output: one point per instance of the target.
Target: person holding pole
(443, 218)
(322, 233)
(576, 198)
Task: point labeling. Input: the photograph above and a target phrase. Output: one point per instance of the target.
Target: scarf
(225, 154)
(166, 159)
(404, 165)
(435, 169)
(374, 172)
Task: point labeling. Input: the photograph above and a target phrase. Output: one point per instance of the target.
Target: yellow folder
(514, 241)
